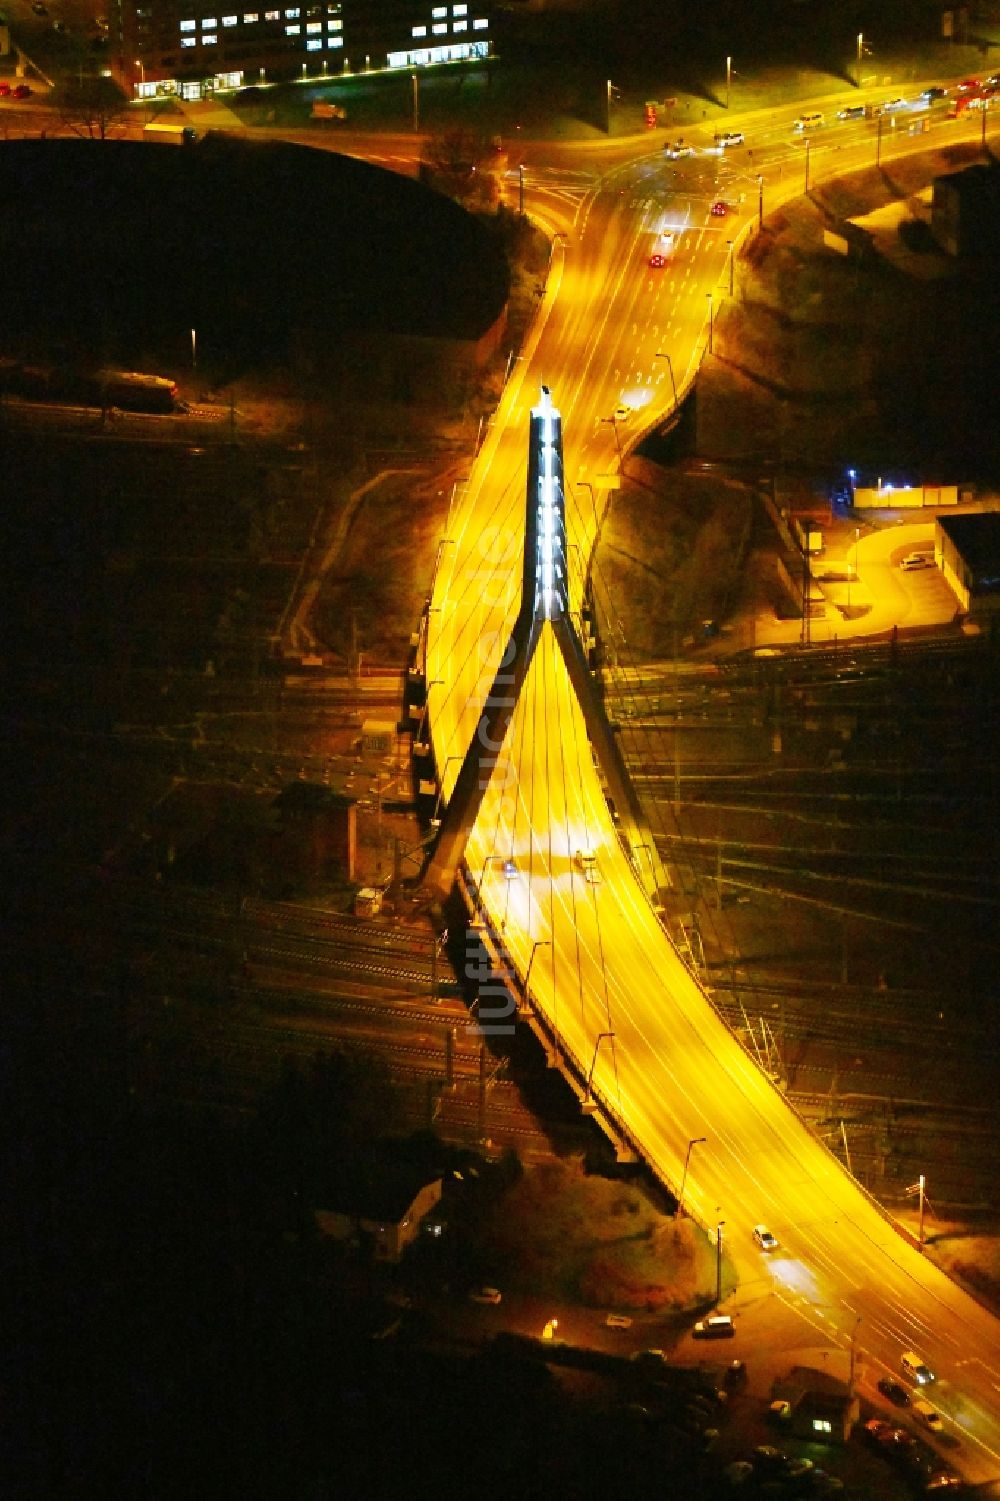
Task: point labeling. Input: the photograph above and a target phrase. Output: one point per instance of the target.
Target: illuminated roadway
(612, 993)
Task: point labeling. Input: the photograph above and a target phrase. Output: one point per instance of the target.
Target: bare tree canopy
(91, 105)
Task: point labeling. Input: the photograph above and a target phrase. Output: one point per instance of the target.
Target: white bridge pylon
(561, 689)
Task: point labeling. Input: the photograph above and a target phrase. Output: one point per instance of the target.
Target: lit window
(335, 41)
(187, 25)
(292, 30)
(314, 46)
(439, 10)
(460, 10)
(439, 30)
(208, 23)
(229, 20)
(250, 17)
(334, 25)
(272, 15)
(480, 25)
(313, 26)
(209, 41)
(189, 41)
(420, 31)
(292, 15)
(459, 25)
(822, 1425)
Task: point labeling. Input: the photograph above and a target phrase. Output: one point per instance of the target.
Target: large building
(192, 48)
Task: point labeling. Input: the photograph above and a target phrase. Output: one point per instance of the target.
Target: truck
(170, 130)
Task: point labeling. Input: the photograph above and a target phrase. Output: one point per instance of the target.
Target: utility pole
(416, 102)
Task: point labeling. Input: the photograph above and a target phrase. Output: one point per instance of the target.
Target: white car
(725, 138)
(717, 1326)
(485, 1295)
(764, 1238)
(622, 413)
(916, 560)
(677, 149)
(586, 863)
(618, 1321)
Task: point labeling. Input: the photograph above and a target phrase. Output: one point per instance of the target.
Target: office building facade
(193, 48)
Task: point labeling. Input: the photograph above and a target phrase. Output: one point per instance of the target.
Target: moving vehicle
(764, 1239)
(490, 1295)
(811, 121)
(928, 1415)
(716, 1326)
(915, 1369)
(657, 261)
(134, 392)
(170, 130)
(586, 862)
(967, 86)
(894, 1390)
(22, 91)
(935, 92)
(726, 138)
(720, 208)
(678, 149)
(852, 112)
(4, 89)
(622, 413)
(618, 1321)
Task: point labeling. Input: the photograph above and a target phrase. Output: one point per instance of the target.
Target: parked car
(876, 1431)
(717, 1326)
(4, 89)
(736, 1375)
(894, 1390)
(622, 412)
(22, 91)
(39, 9)
(618, 1321)
(916, 560)
(485, 1295)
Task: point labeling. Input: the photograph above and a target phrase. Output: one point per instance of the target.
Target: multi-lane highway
(622, 1007)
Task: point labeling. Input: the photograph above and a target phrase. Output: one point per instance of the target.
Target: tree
(461, 164)
(91, 105)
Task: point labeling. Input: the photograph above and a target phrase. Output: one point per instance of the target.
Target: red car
(657, 261)
(968, 86)
(4, 89)
(720, 209)
(23, 91)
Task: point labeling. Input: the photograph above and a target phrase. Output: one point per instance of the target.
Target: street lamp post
(695, 1142)
(878, 140)
(854, 1354)
(520, 193)
(861, 49)
(538, 944)
(808, 145)
(608, 119)
(194, 349)
(711, 321)
(760, 201)
(729, 78)
(670, 366)
(852, 566)
(718, 1261)
(593, 1064)
(730, 244)
(415, 82)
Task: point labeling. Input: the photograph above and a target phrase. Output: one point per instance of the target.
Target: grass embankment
(586, 1239)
